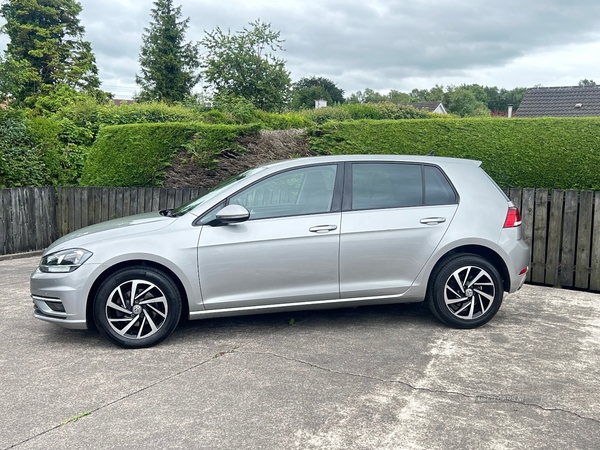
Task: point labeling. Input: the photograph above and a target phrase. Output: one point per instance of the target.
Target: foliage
(587, 83)
(305, 98)
(137, 154)
(307, 90)
(281, 121)
(543, 153)
(464, 100)
(47, 40)
(64, 95)
(358, 111)
(368, 96)
(167, 62)
(330, 113)
(244, 65)
(13, 75)
(384, 110)
(31, 153)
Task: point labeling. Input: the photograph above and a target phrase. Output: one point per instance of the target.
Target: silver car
(323, 232)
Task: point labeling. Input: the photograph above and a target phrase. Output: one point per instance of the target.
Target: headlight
(64, 261)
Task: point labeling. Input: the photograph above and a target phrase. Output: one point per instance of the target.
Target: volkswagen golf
(307, 233)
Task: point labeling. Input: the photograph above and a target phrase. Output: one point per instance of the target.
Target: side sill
(321, 304)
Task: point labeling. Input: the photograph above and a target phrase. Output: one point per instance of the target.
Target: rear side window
(437, 188)
(398, 185)
(377, 186)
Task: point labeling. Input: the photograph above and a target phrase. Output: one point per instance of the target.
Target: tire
(152, 318)
(466, 292)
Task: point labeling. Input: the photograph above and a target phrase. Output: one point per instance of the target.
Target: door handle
(322, 228)
(433, 220)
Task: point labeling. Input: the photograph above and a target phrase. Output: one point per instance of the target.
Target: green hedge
(31, 153)
(542, 153)
(358, 111)
(137, 154)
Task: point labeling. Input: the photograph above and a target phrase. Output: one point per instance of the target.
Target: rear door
(394, 216)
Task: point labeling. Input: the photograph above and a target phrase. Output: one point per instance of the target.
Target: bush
(359, 111)
(329, 113)
(280, 121)
(543, 153)
(137, 154)
(31, 153)
(385, 110)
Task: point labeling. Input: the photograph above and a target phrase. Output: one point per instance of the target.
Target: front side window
(308, 190)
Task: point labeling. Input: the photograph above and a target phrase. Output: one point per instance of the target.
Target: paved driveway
(367, 378)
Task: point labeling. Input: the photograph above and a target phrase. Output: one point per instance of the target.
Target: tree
(305, 98)
(463, 102)
(46, 40)
(168, 63)
(587, 83)
(399, 98)
(435, 94)
(335, 94)
(244, 65)
(368, 96)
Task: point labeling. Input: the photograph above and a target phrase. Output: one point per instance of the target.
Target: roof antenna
(431, 153)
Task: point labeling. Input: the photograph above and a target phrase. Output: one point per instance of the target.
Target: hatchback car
(309, 233)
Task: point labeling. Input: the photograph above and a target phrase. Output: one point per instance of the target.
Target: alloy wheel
(469, 292)
(136, 309)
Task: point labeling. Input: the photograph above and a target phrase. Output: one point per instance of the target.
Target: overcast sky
(379, 44)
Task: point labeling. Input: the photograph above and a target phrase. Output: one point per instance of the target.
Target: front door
(287, 251)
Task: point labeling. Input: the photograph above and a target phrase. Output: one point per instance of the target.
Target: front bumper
(61, 298)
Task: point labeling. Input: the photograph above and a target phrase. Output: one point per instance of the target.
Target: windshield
(213, 192)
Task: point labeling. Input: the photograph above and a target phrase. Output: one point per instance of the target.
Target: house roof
(436, 107)
(570, 101)
(430, 106)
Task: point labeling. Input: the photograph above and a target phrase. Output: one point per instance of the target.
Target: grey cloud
(360, 44)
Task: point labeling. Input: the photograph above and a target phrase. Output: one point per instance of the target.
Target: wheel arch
(89, 315)
(485, 252)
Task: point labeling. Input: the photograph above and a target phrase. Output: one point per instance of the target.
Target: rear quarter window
(438, 190)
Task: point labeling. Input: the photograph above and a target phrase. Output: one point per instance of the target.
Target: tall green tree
(168, 63)
(244, 65)
(47, 45)
(306, 97)
(305, 89)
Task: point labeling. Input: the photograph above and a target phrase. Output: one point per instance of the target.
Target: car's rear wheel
(466, 292)
(137, 307)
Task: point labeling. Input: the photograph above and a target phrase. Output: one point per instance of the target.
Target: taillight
(513, 218)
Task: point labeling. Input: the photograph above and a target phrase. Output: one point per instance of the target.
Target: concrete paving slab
(374, 377)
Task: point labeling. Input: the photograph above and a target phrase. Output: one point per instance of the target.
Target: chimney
(510, 107)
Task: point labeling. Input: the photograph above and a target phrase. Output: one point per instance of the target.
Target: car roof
(369, 158)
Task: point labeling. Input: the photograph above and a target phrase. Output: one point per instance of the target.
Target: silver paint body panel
(352, 258)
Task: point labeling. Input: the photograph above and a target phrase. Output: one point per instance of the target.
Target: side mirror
(233, 214)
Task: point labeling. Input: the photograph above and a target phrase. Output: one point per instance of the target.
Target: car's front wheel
(466, 292)
(137, 307)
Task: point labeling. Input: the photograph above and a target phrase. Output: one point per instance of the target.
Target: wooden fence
(562, 227)
(563, 230)
(32, 218)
